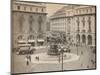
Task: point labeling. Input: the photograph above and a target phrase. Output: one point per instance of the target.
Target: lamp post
(62, 58)
(61, 50)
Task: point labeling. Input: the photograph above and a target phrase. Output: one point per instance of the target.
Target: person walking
(30, 58)
(27, 60)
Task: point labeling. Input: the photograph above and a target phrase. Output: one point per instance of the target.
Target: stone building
(85, 25)
(28, 23)
(77, 21)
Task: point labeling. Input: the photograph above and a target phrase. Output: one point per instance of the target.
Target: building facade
(78, 22)
(28, 23)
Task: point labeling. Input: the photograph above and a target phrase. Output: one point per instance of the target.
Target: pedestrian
(27, 60)
(30, 58)
(38, 58)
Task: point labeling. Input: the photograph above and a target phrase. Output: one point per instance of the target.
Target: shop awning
(40, 40)
(22, 41)
(31, 40)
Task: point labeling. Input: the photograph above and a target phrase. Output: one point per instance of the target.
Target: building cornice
(28, 4)
(72, 16)
(29, 12)
(84, 14)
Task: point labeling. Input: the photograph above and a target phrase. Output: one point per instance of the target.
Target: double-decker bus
(24, 48)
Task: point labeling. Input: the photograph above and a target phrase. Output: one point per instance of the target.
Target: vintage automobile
(67, 50)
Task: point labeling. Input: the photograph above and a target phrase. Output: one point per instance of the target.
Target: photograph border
(58, 70)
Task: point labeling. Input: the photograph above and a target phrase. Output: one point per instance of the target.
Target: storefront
(40, 42)
(32, 42)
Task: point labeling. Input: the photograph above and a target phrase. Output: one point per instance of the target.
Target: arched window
(20, 37)
(42, 9)
(31, 37)
(89, 40)
(78, 38)
(83, 39)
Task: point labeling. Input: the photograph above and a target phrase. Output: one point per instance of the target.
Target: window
(86, 10)
(78, 38)
(79, 11)
(90, 9)
(36, 9)
(24, 8)
(83, 21)
(18, 7)
(83, 38)
(89, 40)
(30, 8)
(89, 23)
(77, 21)
(42, 9)
(82, 10)
(20, 37)
(76, 11)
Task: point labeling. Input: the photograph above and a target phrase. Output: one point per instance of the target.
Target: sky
(52, 8)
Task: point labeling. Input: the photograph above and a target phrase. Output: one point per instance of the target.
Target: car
(67, 50)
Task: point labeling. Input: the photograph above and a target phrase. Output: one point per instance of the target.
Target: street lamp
(61, 50)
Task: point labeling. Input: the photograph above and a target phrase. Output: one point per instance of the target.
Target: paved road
(86, 55)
